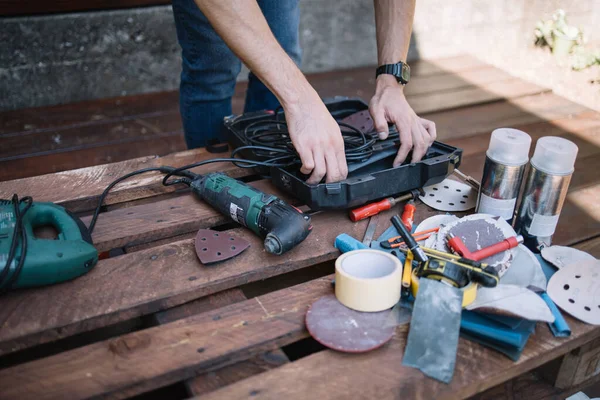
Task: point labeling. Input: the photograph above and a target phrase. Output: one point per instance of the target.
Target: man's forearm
(243, 27)
(393, 20)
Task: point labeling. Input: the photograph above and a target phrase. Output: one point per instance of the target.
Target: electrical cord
(270, 144)
(268, 141)
(18, 234)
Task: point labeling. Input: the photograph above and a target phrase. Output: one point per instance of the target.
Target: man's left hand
(389, 105)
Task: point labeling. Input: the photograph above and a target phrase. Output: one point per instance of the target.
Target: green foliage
(557, 27)
(549, 32)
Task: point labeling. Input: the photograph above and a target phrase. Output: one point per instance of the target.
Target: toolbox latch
(333, 188)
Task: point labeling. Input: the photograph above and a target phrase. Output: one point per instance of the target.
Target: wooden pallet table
(152, 319)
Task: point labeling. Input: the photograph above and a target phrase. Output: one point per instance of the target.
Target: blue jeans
(210, 69)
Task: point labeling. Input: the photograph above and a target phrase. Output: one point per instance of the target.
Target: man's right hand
(317, 139)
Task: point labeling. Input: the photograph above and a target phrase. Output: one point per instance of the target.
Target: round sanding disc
(340, 328)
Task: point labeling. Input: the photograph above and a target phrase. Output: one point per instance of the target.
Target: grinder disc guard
(213, 246)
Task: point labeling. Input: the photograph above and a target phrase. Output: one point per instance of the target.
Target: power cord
(18, 235)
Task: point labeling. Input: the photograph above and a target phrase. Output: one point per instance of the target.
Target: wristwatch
(400, 70)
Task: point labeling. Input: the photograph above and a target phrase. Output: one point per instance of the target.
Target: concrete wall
(64, 58)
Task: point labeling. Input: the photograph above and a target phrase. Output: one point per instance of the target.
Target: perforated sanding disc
(450, 195)
(213, 246)
(340, 328)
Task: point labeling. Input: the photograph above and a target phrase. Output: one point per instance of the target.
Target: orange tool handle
(499, 247)
(408, 215)
(370, 209)
(458, 246)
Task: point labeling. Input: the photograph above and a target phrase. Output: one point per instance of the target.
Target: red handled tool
(408, 215)
(456, 244)
(375, 208)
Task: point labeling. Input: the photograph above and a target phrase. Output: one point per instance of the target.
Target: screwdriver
(474, 183)
(369, 210)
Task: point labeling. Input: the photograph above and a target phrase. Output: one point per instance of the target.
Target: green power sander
(27, 260)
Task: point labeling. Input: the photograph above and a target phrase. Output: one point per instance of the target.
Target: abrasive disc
(561, 256)
(340, 328)
(213, 246)
(450, 195)
(576, 290)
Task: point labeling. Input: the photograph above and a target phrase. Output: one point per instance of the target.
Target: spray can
(505, 163)
(546, 186)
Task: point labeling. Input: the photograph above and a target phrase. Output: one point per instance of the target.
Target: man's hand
(317, 139)
(389, 105)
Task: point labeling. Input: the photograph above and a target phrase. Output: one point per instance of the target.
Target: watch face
(405, 72)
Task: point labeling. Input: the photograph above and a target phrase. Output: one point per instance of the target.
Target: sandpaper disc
(340, 328)
(213, 246)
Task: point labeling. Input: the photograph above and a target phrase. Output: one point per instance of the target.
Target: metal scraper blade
(213, 246)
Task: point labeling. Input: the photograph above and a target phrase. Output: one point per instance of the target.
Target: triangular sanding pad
(213, 246)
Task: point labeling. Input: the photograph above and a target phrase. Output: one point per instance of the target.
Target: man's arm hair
(393, 20)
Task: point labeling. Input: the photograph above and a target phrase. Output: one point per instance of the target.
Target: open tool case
(368, 180)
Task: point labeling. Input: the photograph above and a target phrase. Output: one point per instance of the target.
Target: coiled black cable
(19, 235)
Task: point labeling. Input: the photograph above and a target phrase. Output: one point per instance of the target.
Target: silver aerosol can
(505, 163)
(552, 166)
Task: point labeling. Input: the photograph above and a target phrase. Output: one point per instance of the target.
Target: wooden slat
(74, 138)
(509, 89)
(209, 381)
(381, 373)
(529, 386)
(148, 281)
(591, 246)
(169, 352)
(111, 152)
(483, 118)
(79, 189)
(173, 351)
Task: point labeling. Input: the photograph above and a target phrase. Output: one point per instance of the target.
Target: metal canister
(505, 163)
(546, 187)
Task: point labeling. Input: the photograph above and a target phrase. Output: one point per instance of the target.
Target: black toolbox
(372, 181)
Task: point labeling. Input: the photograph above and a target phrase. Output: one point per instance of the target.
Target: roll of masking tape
(469, 291)
(368, 280)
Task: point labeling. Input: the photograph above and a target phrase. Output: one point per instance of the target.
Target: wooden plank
(239, 331)
(591, 246)
(579, 365)
(529, 386)
(209, 381)
(508, 89)
(169, 352)
(381, 373)
(582, 128)
(148, 281)
(483, 118)
(34, 7)
(136, 225)
(79, 189)
(25, 167)
(222, 377)
(73, 138)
